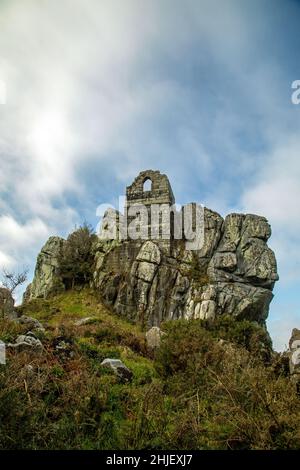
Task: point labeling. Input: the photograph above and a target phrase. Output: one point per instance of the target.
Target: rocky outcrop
(6, 303)
(242, 255)
(233, 273)
(46, 276)
(152, 280)
(294, 357)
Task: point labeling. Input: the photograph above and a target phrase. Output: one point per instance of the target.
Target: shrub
(76, 260)
(248, 334)
(223, 397)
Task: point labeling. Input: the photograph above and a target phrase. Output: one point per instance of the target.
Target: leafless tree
(11, 280)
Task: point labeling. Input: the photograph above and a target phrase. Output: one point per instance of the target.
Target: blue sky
(97, 91)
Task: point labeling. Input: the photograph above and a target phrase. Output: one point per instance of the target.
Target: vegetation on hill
(76, 259)
(208, 386)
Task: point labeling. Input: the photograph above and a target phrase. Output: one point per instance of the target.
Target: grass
(197, 392)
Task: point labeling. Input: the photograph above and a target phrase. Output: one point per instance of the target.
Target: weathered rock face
(6, 303)
(294, 355)
(242, 254)
(234, 273)
(153, 280)
(46, 277)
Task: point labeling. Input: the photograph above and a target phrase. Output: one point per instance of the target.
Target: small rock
(153, 338)
(120, 370)
(32, 323)
(26, 343)
(294, 345)
(84, 321)
(30, 333)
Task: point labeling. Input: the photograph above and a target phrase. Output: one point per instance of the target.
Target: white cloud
(15, 237)
(275, 193)
(276, 190)
(6, 261)
(86, 81)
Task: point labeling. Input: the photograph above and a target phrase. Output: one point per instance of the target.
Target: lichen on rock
(152, 280)
(47, 280)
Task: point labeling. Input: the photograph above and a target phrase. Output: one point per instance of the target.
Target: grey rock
(242, 255)
(294, 355)
(26, 343)
(255, 226)
(150, 253)
(30, 333)
(237, 283)
(153, 338)
(146, 271)
(231, 233)
(294, 341)
(295, 361)
(47, 280)
(6, 303)
(84, 321)
(207, 310)
(226, 261)
(120, 370)
(31, 323)
(244, 301)
(112, 227)
(213, 224)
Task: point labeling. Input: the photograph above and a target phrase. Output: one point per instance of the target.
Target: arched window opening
(147, 185)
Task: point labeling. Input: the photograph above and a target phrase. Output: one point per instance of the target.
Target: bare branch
(11, 280)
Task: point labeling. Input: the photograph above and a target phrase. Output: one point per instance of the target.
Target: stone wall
(160, 194)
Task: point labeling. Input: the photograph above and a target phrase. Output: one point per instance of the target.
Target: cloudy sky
(98, 90)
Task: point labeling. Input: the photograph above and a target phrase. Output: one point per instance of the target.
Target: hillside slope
(208, 386)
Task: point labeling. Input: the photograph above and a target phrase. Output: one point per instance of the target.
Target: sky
(97, 90)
